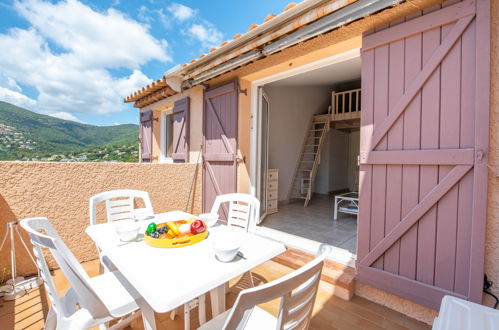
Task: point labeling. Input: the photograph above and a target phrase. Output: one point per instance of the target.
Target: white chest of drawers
(272, 190)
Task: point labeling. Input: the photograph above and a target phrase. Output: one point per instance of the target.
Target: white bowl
(226, 249)
(209, 218)
(128, 231)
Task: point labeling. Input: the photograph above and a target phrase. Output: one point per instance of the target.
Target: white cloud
(206, 34)
(181, 12)
(107, 39)
(66, 53)
(65, 116)
(16, 98)
(147, 16)
(9, 83)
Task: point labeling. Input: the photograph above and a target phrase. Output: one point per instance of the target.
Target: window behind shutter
(145, 136)
(180, 143)
(424, 145)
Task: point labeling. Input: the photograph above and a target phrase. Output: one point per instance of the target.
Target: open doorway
(308, 149)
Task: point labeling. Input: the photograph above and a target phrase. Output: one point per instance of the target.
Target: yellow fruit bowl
(175, 242)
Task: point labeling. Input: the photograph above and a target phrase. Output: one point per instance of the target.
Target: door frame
(339, 255)
(262, 96)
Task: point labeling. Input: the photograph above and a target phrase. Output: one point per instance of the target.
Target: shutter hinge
(479, 155)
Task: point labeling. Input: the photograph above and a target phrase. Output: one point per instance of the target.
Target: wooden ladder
(310, 158)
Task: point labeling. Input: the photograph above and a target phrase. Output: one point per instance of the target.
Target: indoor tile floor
(316, 222)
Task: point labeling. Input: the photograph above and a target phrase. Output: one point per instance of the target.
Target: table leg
(147, 315)
(217, 297)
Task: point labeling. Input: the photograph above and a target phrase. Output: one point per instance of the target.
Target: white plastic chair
(244, 210)
(90, 301)
(297, 291)
(459, 314)
(120, 204)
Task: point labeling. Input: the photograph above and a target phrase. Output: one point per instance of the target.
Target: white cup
(226, 248)
(209, 218)
(128, 231)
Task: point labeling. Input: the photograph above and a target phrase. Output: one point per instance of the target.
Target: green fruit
(151, 227)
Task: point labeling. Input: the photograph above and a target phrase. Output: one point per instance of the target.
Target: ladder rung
(297, 182)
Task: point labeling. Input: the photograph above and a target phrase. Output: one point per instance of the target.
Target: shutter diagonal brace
(449, 181)
(220, 127)
(215, 184)
(179, 134)
(418, 82)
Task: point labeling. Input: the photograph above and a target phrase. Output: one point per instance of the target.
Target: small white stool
(459, 314)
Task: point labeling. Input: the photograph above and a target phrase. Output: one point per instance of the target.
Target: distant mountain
(26, 134)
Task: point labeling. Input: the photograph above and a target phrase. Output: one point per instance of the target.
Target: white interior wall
(338, 165)
(291, 108)
(353, 152)
(321, 185)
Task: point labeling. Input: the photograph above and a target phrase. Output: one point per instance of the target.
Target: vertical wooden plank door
(220, 143)
(423, 182)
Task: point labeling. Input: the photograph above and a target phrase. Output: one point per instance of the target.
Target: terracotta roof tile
(237, 35)
(202, 55)
(224, 43)
(290, 5)
(184, 65)
(269, 17)
(252, 27)
(193, 60)
(212, 49)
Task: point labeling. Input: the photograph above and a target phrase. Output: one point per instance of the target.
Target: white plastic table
(169, 278)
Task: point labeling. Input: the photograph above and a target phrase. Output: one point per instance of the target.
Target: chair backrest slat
(243, 212)
(120, 204)
(297, 291)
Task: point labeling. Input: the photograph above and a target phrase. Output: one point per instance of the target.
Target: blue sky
(77, 60)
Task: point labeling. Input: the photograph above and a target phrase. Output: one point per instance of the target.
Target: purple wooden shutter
(181, 131)
(424, 143)
(145, 136)
(220, 143)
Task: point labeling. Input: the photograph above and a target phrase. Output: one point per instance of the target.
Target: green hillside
(24, 133)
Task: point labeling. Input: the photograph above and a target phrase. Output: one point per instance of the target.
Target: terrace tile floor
(329, 312)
